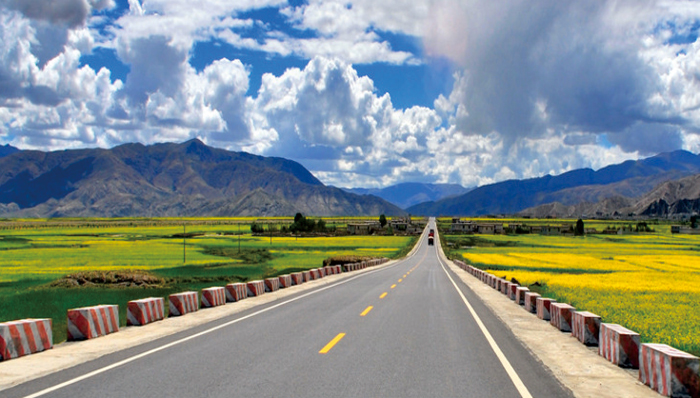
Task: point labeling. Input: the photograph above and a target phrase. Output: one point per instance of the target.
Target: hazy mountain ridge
(407, 194)
(571, 188)
(188, 179)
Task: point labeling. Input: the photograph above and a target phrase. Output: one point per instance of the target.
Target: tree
(298, 218)
(382, 220)
(256, 228)
(579, 231)
(693, 222)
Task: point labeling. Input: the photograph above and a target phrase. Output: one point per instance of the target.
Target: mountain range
(407, 194)
(585, 191)
(187, 179)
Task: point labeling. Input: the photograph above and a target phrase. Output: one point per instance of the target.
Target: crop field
(648, 282)
(34, 261)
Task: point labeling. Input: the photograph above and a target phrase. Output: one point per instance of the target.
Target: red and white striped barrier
(513, 289)
(520, 295)
(213, 297)
(561, 316)
(297, 278)
(90, 322)
(307, 276)
(256, 288)
(321, 271)
(285, 281)
(670, 372)
(499, 282)
(531, 302)
(236, 292)
(543, 308)
(272, 284)
(183, 303)
(586, 327)
(505, 287)
(338, 269)
(24, 337)
(619, 345)
(144, 311)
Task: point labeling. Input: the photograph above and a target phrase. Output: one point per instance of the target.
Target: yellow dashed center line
(366, 311)
(383, 295)
(332, 343)
(400, 280)
(393, 286)
(405, 275)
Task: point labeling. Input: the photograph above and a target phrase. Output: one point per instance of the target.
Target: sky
(363, 93)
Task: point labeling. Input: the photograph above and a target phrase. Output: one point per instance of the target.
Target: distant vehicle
(430, 241)
(432, 232)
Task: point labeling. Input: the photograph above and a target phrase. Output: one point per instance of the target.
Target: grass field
(32, 258)
(649, 283)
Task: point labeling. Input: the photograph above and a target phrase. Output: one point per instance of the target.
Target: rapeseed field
(649, 282)
(33, 258)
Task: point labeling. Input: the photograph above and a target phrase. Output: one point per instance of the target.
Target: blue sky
(363, 93)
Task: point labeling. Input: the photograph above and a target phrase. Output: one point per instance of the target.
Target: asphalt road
(399, 331)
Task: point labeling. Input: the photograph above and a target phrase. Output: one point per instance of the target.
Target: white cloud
(540, 88)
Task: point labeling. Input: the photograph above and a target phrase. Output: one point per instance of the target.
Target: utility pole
(239, 237)
(184, 250)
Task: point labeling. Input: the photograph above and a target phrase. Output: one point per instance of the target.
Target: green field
(36, 255)
(647, 282)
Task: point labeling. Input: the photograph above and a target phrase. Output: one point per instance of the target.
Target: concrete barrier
(321, 272)
(668, 371)
(90, 322)
(144, 311)
(520, 295)
(505, 287)
(619, 345)
(285, 281)
(531, 302)
(315, 274)
(543, 308)
(24, 337)
(213, 297)
(272, 284)
(183, 303)
(328, 270)
(236, 292)
(513, 289)
(561, 316)
(307, 276)
(256, 288)
(297, 278)
(338, 269)
(586, 327)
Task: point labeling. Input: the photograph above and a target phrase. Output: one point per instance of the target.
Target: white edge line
(519, 385)
(174, 343)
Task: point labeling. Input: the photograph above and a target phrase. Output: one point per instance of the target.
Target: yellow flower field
(649, 283)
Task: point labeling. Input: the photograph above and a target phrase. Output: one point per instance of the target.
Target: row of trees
(300, 224)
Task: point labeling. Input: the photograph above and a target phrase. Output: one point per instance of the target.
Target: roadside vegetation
(49, 267)
(647, 282)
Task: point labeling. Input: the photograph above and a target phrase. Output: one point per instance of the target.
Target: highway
(410, 329)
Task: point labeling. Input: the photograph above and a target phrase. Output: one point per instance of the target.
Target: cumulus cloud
(530, 67)
(539, 88)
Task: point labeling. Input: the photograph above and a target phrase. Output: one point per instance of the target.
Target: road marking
(405, 275)
(202, 333)
(332, 343)
(383, 295)
(400, 280)
(366, 311)
(393, 286)
(519, 385)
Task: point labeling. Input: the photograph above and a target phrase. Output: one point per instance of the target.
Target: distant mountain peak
(169, 179)
(7, 149)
